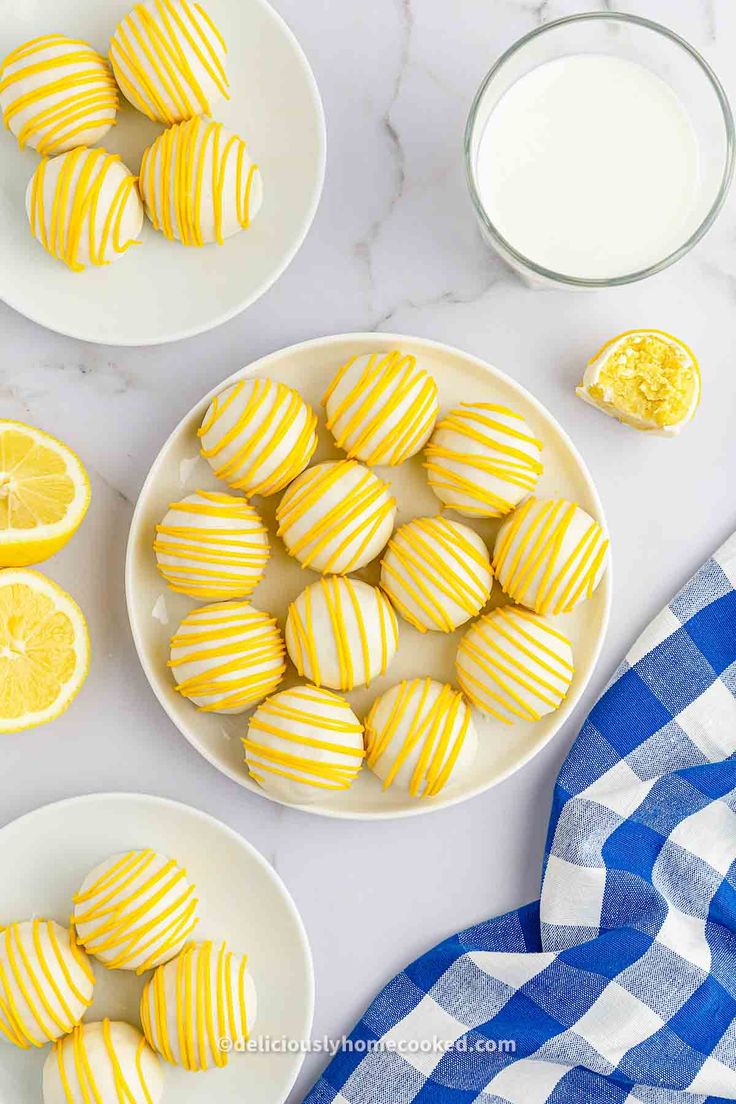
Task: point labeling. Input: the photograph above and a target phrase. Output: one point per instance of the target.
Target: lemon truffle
(226, 657)
(204, 995)
(84, 208)
(483, 459)
(437, 573)
(341, 633)
(381, 407)
(336, 517)
(419, 737)
(106, 1062)
(199, 184)
(550, 555)
(135, 911)
(647, 379)
(57, 93)
(258, 435)
(46, 983)
(514, 665)
(304, 743)
(212, 545)
(169, 59)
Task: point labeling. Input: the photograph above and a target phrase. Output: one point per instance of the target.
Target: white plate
(162, 291)
(155, 612)
(44, 858)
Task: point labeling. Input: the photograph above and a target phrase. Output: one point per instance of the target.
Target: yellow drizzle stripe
(541, 527)
(204, 1007)
(123, 916)
(78, 81)
(333, 590)
(32, 975)
(423, 561)
(429, 730)
(508, 684)
(387, 413)
(68, 1015)
(79, 957)
(172, 175)
(357, 515)
(150, 53)
(210, 634)
(510, 455)
(280, 407)
(88, 1084)
(74, 207)
(222, 561)
(265, 758)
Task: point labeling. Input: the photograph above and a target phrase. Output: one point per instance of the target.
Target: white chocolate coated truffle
(483, 459)
(57, 93)
(46, 983)
(199, 184)
(419, 736)
(227, 656)
(108, 1062)
(381, 407)
(336, 517)
(135, 911)
(202, 996)
(84, 208)
(647, 379)
(258, 435)
(513, 665)
(169, 59)
(304, 743)
(212, 545)
(341, 633)
(437, 573)
(550, 555)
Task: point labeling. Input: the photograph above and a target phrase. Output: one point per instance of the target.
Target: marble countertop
(394, 247)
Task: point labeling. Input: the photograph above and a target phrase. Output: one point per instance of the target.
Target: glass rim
(640, 274)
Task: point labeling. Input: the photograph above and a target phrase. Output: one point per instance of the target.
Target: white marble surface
(394, 247)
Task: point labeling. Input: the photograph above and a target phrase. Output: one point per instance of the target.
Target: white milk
(588, 165)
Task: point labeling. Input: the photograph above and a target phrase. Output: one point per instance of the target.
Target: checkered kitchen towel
(620, 984)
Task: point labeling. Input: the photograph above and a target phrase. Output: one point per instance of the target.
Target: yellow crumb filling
(649, 378)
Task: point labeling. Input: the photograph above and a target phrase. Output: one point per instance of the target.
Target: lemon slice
(44, 649)
(646, 378)
(44, 494)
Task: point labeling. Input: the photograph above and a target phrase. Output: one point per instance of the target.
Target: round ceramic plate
(162, 291)
(242, 900)
(155, 611)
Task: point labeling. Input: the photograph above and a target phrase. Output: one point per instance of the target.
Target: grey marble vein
(364, 248)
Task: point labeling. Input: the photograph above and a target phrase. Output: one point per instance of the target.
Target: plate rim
(266, 284)
(155, 800)
(260, 365)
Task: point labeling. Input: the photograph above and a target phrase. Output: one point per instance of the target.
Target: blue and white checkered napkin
(620, 984)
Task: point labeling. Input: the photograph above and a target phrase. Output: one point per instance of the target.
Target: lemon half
(647, 379)
(44, 494)
(44, 649)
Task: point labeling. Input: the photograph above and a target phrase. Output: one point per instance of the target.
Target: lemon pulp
(44, 494)
(44, 650)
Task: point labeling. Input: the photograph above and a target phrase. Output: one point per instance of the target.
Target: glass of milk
(599, 149)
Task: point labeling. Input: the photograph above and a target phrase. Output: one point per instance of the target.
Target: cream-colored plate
(155, 611)
(45, 856)
(161, 291)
